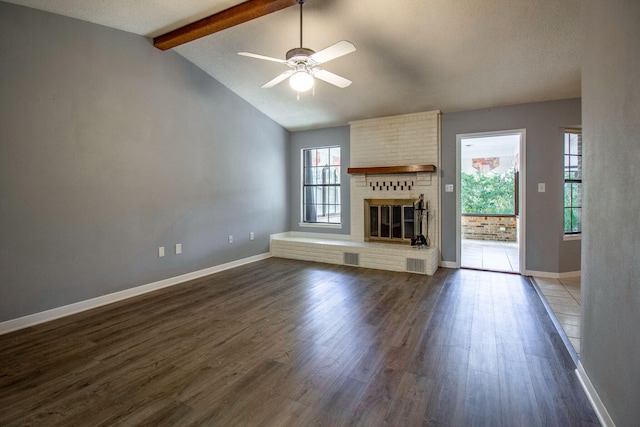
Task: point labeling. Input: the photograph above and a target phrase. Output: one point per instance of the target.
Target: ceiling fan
(304, 62)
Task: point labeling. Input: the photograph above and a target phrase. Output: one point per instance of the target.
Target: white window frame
(303, 222)
(571, 235)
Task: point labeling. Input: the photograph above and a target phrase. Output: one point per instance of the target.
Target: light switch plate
(541, 187)
(161, 251)
(448, 188)
(178, 248)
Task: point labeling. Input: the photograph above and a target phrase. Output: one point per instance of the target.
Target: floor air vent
(351, 258)
(416, 265)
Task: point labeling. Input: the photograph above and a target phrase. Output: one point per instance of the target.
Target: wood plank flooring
(291, 343)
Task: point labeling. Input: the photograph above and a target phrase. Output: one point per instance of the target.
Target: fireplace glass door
(391, 222)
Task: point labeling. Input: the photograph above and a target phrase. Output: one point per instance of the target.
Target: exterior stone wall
(496, 228)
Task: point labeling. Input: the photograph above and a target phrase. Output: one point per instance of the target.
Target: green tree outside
(489, 193)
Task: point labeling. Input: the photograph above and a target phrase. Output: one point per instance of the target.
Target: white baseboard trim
(592, 394)
(67, 310)
(549, 275)
(449, 264)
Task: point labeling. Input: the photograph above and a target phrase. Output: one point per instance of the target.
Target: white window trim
(320, 225)
(569, 237)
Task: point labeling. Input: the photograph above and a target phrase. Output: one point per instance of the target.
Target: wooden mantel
(380, 170)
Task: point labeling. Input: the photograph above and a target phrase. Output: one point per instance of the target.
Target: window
(321, 185)
(572, 181)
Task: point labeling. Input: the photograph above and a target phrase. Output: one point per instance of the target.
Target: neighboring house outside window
(572, 181)
(321, 185)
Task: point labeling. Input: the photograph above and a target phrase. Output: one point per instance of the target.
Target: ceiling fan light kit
(301, 81)
(304, 62)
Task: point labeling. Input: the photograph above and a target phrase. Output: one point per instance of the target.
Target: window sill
(569, 237)
(320, 225)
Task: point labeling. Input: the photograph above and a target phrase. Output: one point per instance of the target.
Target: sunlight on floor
(490, 255)
(563, 295)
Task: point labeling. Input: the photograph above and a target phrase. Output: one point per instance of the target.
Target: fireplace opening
(390, 220)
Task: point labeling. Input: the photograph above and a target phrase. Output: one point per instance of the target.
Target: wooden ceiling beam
(228, 18)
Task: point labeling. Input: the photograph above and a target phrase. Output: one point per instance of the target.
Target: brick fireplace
(406, 140)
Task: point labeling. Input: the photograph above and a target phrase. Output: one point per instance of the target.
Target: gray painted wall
(611, 256)
(544, 123)
(110, 148)
(336, 136)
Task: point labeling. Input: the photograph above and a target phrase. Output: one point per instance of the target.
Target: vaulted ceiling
(412, 55)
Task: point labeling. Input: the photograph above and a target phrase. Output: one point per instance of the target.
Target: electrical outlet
(448, 188)
(160, 251)
(230, 238)
(178, 248)
(252, 236)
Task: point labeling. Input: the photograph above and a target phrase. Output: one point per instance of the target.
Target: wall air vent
(351, 258)
(416, 265)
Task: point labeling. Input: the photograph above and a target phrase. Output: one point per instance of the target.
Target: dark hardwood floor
(291, 343)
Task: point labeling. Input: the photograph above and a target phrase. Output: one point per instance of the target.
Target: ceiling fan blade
(332, 52)
(329, 77)
(282, 77)
(266, 58)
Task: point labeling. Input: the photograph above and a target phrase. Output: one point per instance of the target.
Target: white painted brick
(390, 141)
(377, 256)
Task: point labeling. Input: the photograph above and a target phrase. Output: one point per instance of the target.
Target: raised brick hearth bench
(381, 256)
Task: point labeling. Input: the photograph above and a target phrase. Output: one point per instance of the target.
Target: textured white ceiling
(490, 146)
(412, 55)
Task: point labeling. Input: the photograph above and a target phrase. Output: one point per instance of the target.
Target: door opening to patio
(491, 201)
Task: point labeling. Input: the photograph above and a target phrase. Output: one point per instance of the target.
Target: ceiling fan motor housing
(299, 54)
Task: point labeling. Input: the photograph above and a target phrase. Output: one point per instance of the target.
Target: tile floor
(563, 296)
(488, 255)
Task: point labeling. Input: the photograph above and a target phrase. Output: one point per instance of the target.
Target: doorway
(490, 204)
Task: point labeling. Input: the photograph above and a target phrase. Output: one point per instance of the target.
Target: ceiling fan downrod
(300, 53)
(301, 2)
